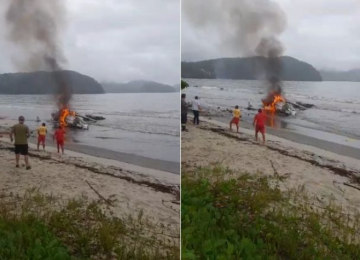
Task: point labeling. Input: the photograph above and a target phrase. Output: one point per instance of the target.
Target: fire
(272, 106)
(65, 112)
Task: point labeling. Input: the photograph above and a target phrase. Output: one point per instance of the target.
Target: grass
(37, 226)
(249, 217)
(29, 240)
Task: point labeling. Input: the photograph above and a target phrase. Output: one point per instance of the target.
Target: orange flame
(64, 113)
(272, 106)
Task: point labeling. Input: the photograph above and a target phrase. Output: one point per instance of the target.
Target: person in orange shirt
(59, 135)
(236, 118)
(42, 131)
(259, 124)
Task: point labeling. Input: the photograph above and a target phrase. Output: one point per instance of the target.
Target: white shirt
(196, 105)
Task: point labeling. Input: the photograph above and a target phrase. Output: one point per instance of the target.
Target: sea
(335, 116)
(142, 124)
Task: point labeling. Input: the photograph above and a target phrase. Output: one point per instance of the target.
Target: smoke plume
(35, 27)
(244, 27)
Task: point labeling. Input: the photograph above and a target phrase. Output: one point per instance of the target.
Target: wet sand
(161, 165)
(166, 166)
(327, 145)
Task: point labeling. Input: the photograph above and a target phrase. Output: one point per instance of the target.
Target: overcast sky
(118, 40)
(325, 33)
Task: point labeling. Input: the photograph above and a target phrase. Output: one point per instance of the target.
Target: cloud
(325, 33)
(113, 40)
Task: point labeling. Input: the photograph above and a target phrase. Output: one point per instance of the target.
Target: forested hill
(138, 86)
(42, 82)
(251, 68)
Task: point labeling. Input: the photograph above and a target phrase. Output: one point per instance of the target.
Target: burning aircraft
(68, 118)
(276, 103)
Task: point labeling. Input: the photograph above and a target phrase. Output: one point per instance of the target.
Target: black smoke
(35, 27)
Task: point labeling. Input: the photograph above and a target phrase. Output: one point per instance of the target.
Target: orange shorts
(235, 120)
(41, 139)
(260, 129)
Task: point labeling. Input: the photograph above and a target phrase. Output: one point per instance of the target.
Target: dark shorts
(22, 149)
(183, 119)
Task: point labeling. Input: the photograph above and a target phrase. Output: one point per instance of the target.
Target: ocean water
(337, 104)
(141, 124)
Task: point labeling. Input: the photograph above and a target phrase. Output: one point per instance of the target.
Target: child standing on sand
(59, 135)
(236, 118)
(259, 124)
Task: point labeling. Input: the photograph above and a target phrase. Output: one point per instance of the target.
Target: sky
(324, 33)
(116, 40)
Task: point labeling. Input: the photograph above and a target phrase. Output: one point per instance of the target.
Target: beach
(326, 175)
(139, 128)
(130, 188)
(334, 116)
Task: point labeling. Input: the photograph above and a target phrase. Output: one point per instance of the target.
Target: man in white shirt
(196, 109)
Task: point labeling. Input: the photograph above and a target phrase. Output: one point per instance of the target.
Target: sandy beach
(324, 174)
(132, 188)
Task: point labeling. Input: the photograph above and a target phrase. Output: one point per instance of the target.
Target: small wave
(107, 138)
(130, 129)
(336, 109)
(160, 115)
(349, 111)
(323, 99)
(206, 87)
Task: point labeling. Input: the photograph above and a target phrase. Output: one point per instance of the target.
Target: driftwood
(352, 186)
(277, 175)
(100, 196)
(275, 171)
(335, 182)
(172, 201)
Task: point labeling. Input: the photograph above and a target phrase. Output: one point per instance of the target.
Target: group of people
(195, 107)
(20, 134)
(258, 122)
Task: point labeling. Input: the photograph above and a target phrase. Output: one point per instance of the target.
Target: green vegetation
(184, 84)
(249, 68)
(41, 82)
(38, 226)
(29, 240)
(249, 217)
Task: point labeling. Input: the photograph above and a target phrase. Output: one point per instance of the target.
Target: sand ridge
(318, 171)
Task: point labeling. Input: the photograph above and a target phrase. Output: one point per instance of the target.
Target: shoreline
(302, 139)
(325, 140)
(165, 166)
(132, 159)
(294, 142)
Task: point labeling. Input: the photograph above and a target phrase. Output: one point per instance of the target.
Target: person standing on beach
(196, 110)
(236, 118)
(42, 131)
(259, 124)
(21, 133)
(59, 135)
(184, 112)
